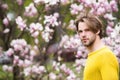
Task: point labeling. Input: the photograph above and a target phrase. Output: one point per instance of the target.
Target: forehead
(82, 26)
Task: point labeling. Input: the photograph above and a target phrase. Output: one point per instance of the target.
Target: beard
(89, 42)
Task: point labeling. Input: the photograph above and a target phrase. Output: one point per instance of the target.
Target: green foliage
(5, 75)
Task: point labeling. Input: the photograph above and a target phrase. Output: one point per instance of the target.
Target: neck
(96, 45)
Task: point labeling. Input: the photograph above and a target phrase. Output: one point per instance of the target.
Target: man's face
(86, 35)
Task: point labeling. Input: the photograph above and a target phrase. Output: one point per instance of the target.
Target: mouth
(84, 40)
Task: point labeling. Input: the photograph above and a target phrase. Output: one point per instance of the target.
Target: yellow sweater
(101, 64)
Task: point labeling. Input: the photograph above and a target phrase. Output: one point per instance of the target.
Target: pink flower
(113, 5)
(100, 10)
(35, 69)
(5, 6)
(109, 16)
(6, 21)
(32, 53)
(34, 29)
(52, 20)
(41, 69)
(27, 71)
(20, 2)
(27, 63)
(72, 76)
(109, 30)
(18, 42)
(16, 60)
(72, 25)
(52, 76)
(110, 23)
(38, 1)
(7, 30)
(64, 2)
(20, 22)
(20, 63)
(75, 9)
(7, 68)
(51, 2)
(30, 10)
(35, 34)
(10, 52)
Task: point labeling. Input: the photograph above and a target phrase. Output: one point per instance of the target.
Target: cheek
(92, 36)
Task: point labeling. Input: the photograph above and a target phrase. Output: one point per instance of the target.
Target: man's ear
(98, 32)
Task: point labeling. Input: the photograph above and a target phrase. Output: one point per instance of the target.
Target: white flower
(20, 22)
(27, 71)
(30, 10)
(52, 76)
(7, 30)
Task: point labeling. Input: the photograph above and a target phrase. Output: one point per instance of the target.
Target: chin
(87, 45)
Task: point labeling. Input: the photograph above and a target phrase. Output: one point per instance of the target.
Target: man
(101, 63)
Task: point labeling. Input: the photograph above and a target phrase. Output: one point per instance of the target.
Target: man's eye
(79, 31)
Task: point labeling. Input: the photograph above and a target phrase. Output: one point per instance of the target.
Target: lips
(84, 40)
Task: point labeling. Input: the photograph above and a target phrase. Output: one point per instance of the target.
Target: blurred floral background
(38, 39)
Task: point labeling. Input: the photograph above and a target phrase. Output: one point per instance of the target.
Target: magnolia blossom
(24, 51)
(109, 16)
(32, 53)
(20, 63)
(100, 10)
(4, 6)
(27, 71)
(16, 60)
(100, 7)
(80, 62)
(27, 63)
(63, 40)
(36, 41)
(52, 20)
(6, 21)
(18, 44)
(35, 28)
(20, 2)
(56, 66)
(51, 2)
(9, 52)
(38, 69)
(7, 68)
(72, 76)
(72, 25)
(30, 10)
(7, 30)
(70, 42)
(113, 5)
(75, 9)
(64, 2)
(117, 28)
(21, 24)
(52, 76)
(78, 69)
(38, 1)
(47, 34)
(109, 30)
(41, 69)
(81, 52)
(65, 69)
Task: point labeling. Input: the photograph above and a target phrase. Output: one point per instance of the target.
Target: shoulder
(106, 52)
(106, 56)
